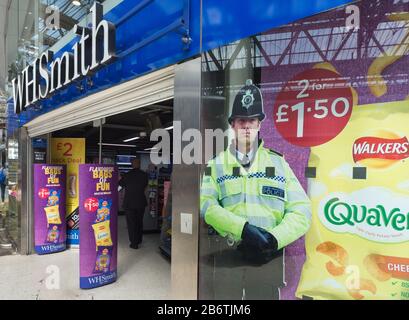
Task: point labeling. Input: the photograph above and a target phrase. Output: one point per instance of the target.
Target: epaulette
(275, 152)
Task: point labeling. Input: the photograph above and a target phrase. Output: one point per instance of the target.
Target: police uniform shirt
(245, 159)
(276, 203)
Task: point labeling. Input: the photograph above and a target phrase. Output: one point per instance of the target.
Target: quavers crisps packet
(358, 244)
(102, 234)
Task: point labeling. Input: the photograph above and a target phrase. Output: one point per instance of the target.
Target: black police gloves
(258, 237)
(253, 236)
(257, 245)
(272, 241)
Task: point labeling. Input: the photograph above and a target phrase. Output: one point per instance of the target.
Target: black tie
(246, 161)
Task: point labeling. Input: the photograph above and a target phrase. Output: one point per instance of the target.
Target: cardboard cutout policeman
(252, 198)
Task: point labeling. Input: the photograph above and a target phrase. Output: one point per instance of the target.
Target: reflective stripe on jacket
(276, 202)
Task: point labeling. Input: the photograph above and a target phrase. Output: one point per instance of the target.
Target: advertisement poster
(335, 109)
(98, 224)
(71, 152)
(49, 208)
(359, 237)
(341, 126)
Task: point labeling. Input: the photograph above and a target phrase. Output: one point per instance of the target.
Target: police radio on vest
(44, 77)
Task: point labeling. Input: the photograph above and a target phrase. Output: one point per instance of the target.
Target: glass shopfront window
(22, 41)
(32, 27)
(22, 44)
(12, 207)
(304, 194)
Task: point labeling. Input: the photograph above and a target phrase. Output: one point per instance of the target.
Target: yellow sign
(358, 244)
(69, 151)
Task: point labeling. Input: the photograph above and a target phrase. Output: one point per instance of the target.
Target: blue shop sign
(153, 34)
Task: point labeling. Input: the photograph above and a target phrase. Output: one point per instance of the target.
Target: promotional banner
(70, 151)
(49, 208)
(341, 125)
(98, 224)
(358, 245)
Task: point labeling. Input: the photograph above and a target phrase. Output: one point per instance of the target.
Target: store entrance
(119, 140)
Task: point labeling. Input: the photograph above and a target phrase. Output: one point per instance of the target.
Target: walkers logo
(373, 213)
(380, 152)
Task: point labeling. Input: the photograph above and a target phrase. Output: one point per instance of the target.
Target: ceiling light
(118, 145)
(150, 149)
(131, 139)
(76, 3)
(169, 128)
(147, 152)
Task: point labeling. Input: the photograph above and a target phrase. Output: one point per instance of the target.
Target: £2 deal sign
(71, 152)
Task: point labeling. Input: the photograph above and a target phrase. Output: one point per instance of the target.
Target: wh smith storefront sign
(144, 36)
(38, 81)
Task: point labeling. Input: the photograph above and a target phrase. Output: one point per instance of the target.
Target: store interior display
(124, 137)
(153, 190)
(165, 202)
(124, 162)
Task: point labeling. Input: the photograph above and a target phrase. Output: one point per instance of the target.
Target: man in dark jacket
(135, 183)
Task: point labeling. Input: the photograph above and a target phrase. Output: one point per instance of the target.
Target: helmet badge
(248, 99)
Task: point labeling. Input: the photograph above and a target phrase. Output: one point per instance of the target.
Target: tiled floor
(142, 274)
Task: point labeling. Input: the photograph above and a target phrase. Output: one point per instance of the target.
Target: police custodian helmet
(248, 103)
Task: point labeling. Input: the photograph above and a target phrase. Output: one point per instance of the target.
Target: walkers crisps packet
(102, 234)
(358, 244)
(53, 214)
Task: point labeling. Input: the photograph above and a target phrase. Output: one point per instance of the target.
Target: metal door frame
(185, 247)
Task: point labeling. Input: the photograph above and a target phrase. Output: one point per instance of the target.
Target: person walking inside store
(255, 206)
(135, 182)
(3, 182)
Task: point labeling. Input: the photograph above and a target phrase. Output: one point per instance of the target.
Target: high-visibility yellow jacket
(273, 201)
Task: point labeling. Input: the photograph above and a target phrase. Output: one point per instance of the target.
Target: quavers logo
(373, 213)
(381, 150)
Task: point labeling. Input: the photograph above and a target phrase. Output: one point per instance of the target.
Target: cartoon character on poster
(53, 233)
(103, 259)
(103, 211)
(54, 198)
